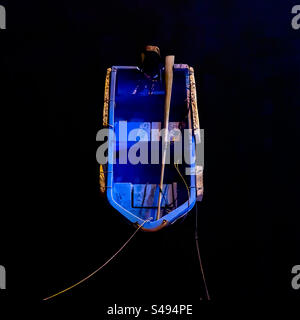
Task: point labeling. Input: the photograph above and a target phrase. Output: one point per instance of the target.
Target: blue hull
(132, 189)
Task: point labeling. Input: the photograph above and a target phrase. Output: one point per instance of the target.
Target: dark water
(246, 60)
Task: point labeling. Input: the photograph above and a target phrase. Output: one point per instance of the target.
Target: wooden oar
(169, 63)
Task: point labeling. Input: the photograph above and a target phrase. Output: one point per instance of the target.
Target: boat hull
(133, 110)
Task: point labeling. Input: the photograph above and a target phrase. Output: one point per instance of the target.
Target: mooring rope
(184, 181)
(97, 270)
(199, 256)
(196, 235)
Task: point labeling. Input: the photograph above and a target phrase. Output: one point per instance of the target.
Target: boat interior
(140, 102)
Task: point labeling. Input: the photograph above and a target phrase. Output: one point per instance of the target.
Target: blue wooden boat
(133, 189)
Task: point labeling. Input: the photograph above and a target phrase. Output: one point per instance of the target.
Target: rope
(196, 236)
(186, 185)
(97, 270)
(199, 256)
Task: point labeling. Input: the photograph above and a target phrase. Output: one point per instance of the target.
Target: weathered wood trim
(106, 98)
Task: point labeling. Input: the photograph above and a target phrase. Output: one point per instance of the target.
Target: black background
(56, 227)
